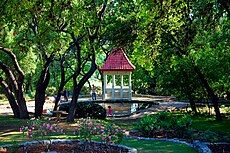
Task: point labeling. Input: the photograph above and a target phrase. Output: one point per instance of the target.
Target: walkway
(165, 103)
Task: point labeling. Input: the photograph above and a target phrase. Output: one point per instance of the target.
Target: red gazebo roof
(117, 61)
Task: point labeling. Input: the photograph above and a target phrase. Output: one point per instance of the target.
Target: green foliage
(170, 44)
(85, 90)
(30, 95)
(90, 110)
(225, 109)
(36, 128)
(2, 97)
(206, 136)
(88, 129)
(164, 122)
(51, 91)
(208, 123)
(86, 109)
(164, 40)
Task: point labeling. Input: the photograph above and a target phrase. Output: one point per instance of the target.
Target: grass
(124, 124)
(14, 137)
(9, 133)
(9, 120)
(10, 124)
(143, 146)
(205, 122)
(148, 146)
(210, 124)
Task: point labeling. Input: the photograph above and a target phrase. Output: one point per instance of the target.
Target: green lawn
(210, 124)
(199, 123)
(143, 146)
(9, 133)
(148, 146)
(10, 121)
(14, 136)
(125, 124)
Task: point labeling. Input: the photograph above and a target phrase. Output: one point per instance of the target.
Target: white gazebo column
(104, 88)
(130, 86)
(122, 84)
(113, 85)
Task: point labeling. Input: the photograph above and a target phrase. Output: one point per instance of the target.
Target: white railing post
(113, 85)
(130, 86)
(121, 92)
(104, 88)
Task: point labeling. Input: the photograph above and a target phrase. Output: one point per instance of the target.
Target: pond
(122, 109)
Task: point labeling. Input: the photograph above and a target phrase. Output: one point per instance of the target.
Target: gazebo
(116, 72)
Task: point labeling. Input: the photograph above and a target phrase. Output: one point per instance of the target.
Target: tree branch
(15, 62)
(100, 16)
(9, 74)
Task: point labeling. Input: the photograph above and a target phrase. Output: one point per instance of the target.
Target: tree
(165, 35)
(15, 77)
(92, 32)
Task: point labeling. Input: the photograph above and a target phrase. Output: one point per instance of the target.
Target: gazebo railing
(117, 93)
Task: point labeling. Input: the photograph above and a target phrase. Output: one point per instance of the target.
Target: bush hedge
(86, 109)
(163, 124)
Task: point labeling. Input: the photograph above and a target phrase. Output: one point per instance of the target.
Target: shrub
(36, 128)
(86, 109)
(30, 95)
(92, 110)
(50, 91)
(163, 123)
(2, 97)
(88, 128)
(206, 136)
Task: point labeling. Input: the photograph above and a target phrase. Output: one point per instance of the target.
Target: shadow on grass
(211, 124)
(149, 146)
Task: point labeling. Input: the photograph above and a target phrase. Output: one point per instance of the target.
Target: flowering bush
(36, 128)
(88, 128)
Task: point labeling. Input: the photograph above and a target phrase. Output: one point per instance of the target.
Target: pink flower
(51, 128)
(48, 125)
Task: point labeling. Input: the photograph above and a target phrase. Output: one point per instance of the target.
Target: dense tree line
(179, 47)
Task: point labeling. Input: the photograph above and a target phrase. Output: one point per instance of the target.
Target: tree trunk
(62, 83)
(77, 89)
(193, 105)
(24, 114)
(39, 102)
(10, 98)
(210, 92)
(228, 96)
(73, 104)
(57, 99)
(16, 85)
(40, 94)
